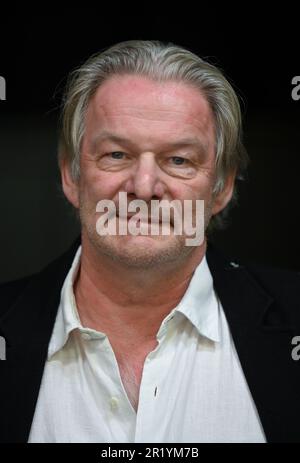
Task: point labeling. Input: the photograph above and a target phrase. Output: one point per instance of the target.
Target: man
(133, 337)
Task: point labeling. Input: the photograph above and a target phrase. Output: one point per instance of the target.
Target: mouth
(146, 220)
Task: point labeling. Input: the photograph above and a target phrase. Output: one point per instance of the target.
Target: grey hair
(160, 62)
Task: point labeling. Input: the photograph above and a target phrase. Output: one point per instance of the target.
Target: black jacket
(262, 306)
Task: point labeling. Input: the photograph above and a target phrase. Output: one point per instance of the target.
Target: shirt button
(114, 402)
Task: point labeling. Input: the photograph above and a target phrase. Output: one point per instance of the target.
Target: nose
(145, 181)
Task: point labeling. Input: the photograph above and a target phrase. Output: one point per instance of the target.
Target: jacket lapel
(263, 342)
(27, 328)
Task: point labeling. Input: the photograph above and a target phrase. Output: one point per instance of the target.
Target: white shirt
(192, 390)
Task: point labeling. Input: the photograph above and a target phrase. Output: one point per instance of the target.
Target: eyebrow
(188, 141)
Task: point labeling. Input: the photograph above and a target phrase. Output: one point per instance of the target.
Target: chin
(142, 251)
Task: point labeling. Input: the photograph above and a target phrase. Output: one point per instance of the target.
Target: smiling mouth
(148, 220)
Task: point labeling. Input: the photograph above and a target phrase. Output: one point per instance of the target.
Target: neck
(110, 295)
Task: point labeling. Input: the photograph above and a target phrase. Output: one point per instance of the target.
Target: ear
(70, 186)
(223, 197)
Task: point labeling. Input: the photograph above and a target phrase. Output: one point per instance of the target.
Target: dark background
(258, 52)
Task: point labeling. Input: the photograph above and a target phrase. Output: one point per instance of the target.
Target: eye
(178, 161)
(116, 154)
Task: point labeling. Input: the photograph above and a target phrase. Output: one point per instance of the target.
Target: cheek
(96, 185)
(198, 190)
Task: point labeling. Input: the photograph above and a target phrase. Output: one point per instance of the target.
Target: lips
(148, 220)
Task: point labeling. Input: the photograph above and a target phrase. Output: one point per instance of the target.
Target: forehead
(141, 97)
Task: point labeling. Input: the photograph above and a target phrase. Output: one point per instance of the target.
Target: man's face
(153, 141)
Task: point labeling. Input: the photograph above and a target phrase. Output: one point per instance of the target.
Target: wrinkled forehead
(143, 101)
